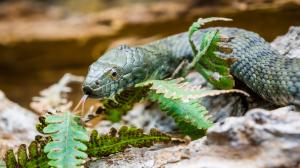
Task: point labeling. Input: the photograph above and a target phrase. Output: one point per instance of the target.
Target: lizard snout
(87, 90)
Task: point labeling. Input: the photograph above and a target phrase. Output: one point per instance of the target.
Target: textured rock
(17, 125)
(259, 139)
(288, 45)
(54, 98)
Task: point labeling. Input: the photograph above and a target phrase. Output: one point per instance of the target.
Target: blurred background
(41, 40)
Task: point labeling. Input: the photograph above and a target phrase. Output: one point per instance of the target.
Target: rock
(288, 45)
(17, 125)
(54, 98)
(259, 139)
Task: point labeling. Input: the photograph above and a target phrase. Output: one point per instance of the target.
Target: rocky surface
(259, 139)
(17, 125)
(288, 45)
(54, 98)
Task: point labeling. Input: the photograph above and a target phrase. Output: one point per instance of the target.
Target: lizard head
(111, 73)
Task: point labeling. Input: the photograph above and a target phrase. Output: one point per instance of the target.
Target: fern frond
(33, 157)
(197, 25)
(179, 89)
(68, 135)
(41, 124)
(118, 141)
(123, 102)
(2, 164)
(180, 100)
(206, 61)
(211, 64)
(189, 112)
(190, 130)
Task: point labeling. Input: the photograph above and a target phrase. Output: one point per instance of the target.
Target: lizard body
(259, 66)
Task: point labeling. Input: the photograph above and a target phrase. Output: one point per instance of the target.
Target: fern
(190, 112)
(123, 102)
(206, 61)
(33, 157)
(2, 164)
(97, 146)
(190, 130)
(191, 117)
(118, 141)
(66, 149)
(41, 125)
(67, 144)
(181, 101)
(179, 89)
(178, 98)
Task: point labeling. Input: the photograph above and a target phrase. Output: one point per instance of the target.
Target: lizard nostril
(87, 90)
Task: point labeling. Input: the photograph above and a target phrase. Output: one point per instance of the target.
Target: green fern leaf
(2, 164)
(206, 61)
(41, 124)
(178, 89)
(118, 141)
(123, 102)
(10, 159)
(210, 63)
(34, 157)
(180, 100)
(188, 112)
(190, 130)
(66, 149)
(197, 25)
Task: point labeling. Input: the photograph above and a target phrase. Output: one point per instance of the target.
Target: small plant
(66, 148)
(123, 102)
(206, 61)
(181, 89)
(185, 113)
(33, 156)
(66, 143)
(118, 141)
(2, 164)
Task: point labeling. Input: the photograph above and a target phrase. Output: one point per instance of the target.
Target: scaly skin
(259, 66)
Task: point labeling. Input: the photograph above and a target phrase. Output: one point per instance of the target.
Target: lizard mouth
(106, 90)
(87, 90)
(92, 93)
(101, 92)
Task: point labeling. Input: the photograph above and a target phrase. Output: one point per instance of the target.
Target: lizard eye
(114, 74)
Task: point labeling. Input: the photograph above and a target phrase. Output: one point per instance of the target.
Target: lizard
(258, 65)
